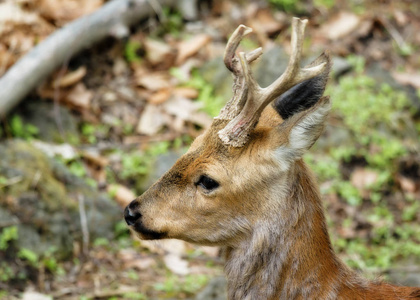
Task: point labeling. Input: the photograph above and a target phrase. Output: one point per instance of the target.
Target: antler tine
(236, 103)
(250, 82)
(293, 74)
(255, 98)
(254, 55)
(232, 45)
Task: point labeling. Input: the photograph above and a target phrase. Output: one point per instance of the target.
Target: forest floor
(119, 114)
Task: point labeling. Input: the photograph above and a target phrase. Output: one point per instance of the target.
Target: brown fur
(266, 213)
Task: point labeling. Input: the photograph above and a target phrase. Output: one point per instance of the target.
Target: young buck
(243, 185)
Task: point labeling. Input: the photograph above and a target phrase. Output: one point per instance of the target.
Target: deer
(244, 186)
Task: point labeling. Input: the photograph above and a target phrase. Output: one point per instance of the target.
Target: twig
(36, 178)
(393, 32)
(11, 181)
(57, 112)
(83, 224)
(96, 294)
(47, 56)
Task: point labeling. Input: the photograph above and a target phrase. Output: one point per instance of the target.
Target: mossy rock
(43, 196)
(31, 170)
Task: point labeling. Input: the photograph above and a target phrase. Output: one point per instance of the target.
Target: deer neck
(289, 253)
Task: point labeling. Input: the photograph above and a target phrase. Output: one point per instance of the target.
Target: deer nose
(131, 214)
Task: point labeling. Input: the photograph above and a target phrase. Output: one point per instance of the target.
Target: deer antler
(236, 103)
(249, 99)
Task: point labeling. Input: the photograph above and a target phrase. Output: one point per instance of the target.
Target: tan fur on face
(176, 206)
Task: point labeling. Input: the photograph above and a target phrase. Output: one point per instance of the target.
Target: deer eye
(207, 183)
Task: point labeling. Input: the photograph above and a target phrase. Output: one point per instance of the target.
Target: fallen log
(112, 19)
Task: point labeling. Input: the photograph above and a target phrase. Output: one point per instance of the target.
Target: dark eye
(207, 183)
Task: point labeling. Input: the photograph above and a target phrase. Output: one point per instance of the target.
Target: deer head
(226, 182)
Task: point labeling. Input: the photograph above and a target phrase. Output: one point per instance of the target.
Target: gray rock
(216, 289)
(216, 74)
(340, 66)
(406, 272)
(334, 136)
(54, 124)
(271, 65)
(188, 9)
(383, 76)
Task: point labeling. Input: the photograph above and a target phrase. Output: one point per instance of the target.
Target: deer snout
(131, 213)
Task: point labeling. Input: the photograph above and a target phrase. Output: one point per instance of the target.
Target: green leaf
(7, 235)
(29, 255)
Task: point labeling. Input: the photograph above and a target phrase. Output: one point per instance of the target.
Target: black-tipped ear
(305, 94)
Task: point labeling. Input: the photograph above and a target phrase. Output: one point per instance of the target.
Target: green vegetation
(133, 296)
(211, 104)
(21, 130)
(174, 284)
(6, 272)
(138, 164)
(327, 4)
(28, 258)
(374, 115)
(171, 22)
(290, 6)
(8, 234)
(91, 132)
(131, 51)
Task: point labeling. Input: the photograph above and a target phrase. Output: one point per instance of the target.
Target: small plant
(8, 235)
(88, 131)
(193, 283)
(327, 4)
(121, 230)
(286, 5)
(135, 296)
(101, 241)
(138, 164)
(6, 272)
(172, 22)
(351, 194)
(21, 130)
(131, 51)
(77, 168)
(29, 256)
(174, 285)
(212, 104)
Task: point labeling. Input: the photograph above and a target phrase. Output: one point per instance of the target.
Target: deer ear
(298, 133)
(305, 94)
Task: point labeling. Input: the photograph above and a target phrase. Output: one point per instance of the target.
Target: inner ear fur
(305, 94)
(299, 132)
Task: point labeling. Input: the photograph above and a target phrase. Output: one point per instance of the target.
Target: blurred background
(112, 118)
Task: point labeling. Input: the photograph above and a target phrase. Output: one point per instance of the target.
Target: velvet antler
(249, 99)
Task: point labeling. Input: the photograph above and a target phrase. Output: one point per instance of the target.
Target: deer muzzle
(133, 218)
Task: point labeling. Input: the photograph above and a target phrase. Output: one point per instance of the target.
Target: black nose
(131, 214)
